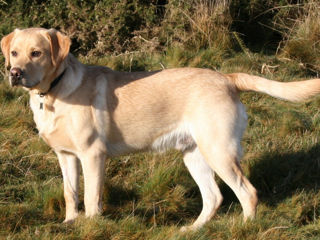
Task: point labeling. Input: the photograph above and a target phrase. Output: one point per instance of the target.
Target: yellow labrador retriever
(89, 113)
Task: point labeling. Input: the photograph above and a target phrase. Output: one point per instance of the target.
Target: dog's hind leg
(70, 167)
(228, 168)
(218, 139)
(204, 177)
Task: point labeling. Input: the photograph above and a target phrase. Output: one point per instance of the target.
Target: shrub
(95, 26)
(110, 26)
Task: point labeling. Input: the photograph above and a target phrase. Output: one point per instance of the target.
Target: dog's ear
(5, 47)
(59, 46)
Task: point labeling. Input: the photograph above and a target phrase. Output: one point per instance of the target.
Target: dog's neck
(69, 78)
(54, 83)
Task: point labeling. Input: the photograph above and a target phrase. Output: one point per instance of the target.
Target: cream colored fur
(95, 113)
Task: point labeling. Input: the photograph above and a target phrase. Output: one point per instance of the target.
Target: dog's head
(33, 56)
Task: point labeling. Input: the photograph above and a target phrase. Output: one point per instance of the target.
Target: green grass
(150, 196)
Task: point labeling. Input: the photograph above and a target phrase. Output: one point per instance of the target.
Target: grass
(150, 196)
(301, 35)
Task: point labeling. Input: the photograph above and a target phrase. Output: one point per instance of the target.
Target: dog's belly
(179, 139)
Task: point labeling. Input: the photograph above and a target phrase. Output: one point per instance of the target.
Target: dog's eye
(35, 54)
(14, 53)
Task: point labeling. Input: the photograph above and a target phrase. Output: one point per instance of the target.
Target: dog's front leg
(70, 167)
(93, 163)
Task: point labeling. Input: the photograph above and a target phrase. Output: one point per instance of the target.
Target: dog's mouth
(22, 81)
(15, 81)
(18, 78)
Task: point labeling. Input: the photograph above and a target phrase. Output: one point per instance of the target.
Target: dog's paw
(68, 221)
(190, 228)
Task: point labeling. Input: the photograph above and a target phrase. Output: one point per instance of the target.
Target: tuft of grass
(294, 122)
(301, 37)
(196, 24)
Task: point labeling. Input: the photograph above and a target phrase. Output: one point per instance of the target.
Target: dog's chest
(51, 127)
(50, 130)
(43, 119)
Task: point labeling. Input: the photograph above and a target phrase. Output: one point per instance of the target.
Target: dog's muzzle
(16, 75)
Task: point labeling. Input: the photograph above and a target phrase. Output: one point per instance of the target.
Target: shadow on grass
(124, 202)
(277, 176)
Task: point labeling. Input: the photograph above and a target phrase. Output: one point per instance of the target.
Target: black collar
(53, 84)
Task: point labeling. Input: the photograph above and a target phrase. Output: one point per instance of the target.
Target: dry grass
(197, 24)
(302, 36)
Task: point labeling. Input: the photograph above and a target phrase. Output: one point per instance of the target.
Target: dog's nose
(16, 73)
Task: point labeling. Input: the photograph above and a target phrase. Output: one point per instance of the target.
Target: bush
(110, 26)
(95, 26)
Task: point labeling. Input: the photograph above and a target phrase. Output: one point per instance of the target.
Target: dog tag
(41, 99)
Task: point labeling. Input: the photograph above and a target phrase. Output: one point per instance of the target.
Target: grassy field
(150, 196)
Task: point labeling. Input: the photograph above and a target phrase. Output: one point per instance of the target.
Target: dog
(89, 113)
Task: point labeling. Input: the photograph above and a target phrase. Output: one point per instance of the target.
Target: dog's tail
(291, 91)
